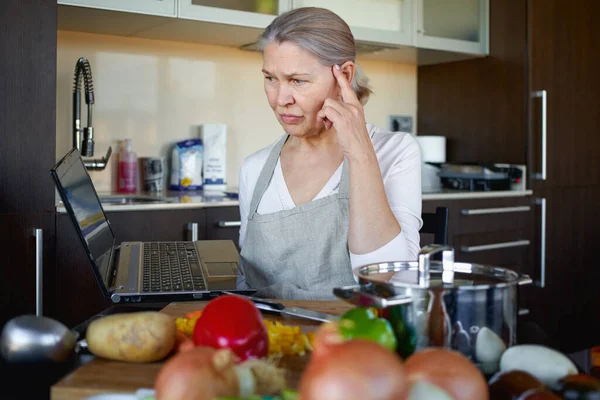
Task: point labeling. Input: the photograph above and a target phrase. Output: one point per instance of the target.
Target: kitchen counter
(174, 200)
(169, 200)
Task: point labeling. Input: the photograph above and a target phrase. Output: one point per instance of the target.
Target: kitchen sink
(133, 199)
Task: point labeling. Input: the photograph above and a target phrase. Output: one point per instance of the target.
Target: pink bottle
(127, 173)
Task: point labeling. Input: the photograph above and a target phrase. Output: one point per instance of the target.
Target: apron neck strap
(344, 191)
(267, 173)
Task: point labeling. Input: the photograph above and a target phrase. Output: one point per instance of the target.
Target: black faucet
(85, 145)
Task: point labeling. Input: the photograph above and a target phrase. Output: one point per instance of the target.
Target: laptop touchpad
(222, 269)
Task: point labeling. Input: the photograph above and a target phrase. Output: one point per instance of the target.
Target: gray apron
(301, 253)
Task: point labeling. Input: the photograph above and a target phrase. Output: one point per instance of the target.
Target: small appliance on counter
(483, 177)
(433, 155)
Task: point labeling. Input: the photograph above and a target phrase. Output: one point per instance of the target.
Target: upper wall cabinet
(406, 31)
(385, 22)
(453, 25)
(250, 13)
(163, 8)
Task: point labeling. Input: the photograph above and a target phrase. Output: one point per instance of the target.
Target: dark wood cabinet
(492, 110)
(563, 67)
(28, 141)
(480, 105)
(563, 62)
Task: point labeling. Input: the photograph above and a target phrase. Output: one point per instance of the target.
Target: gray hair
(323, 34)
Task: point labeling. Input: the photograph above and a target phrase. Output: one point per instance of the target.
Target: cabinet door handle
(542, 282)
(523, 311)
(494, 246)
(39, 269)
(497, 210)
(544, 96)
(229, 224)
(192, 228)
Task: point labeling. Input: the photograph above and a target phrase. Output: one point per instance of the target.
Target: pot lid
(446, 273)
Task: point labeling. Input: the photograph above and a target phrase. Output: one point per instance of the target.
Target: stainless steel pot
(470, 308)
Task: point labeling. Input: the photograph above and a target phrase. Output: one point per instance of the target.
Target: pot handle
(524, 279)
(447, 263)
(354, 295)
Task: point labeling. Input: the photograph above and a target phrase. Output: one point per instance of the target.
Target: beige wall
(158, 92)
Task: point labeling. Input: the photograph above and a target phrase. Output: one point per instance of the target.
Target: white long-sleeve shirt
(399, 159)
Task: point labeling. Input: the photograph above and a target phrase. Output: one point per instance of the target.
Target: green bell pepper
(362, 323)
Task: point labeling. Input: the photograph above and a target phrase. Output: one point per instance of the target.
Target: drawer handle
(192, 228)
(494, 246)
(544, 95)
(229, 224)
(542, 282)
(523, 311)
(498, 210)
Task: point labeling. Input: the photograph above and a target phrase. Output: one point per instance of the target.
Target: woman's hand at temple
(347, 116)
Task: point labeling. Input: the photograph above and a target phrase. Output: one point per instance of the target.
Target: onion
(326, 336)
(356, 369)
(448, 370)
(201, 373)
(204, 373)
(183, 343)
(426, 391)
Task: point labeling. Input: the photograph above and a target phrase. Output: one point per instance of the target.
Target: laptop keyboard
(171, 267)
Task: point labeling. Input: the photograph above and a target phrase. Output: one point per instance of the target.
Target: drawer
(223, 223)
(148, 226)
(508, 249)
(485, 215)
(498, 215)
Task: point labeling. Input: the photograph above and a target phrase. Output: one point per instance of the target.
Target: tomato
(234, 323)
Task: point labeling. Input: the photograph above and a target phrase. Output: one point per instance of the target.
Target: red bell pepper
(234, 323)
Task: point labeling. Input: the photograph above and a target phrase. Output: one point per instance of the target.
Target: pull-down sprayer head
(85, 144)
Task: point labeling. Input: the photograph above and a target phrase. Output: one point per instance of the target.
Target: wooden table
(104, 376)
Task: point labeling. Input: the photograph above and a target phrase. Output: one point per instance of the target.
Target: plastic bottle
(127, 173)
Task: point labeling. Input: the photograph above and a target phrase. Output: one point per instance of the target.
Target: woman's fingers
(348, 94)
(330, 116)
(340, 107)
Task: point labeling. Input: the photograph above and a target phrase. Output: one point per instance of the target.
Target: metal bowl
(32, 339)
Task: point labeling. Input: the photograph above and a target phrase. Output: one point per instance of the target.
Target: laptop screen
(82, 203)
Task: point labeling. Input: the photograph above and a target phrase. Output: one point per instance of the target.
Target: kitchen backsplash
(159, 92)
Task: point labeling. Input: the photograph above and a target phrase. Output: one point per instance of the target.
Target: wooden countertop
(104, 376)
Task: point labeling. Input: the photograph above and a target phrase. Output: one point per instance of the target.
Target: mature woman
(333, 192)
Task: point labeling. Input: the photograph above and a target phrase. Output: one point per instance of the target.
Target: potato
(143, 336)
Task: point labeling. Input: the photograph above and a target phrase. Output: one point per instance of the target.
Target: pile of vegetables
(225, 353)
(284, 340)
(529, 372)
(351, 368)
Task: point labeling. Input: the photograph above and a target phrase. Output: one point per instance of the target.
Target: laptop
(132, 272)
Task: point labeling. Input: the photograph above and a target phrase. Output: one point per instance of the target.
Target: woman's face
(296, 85)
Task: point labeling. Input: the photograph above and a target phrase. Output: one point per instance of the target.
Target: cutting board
(104, 376)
